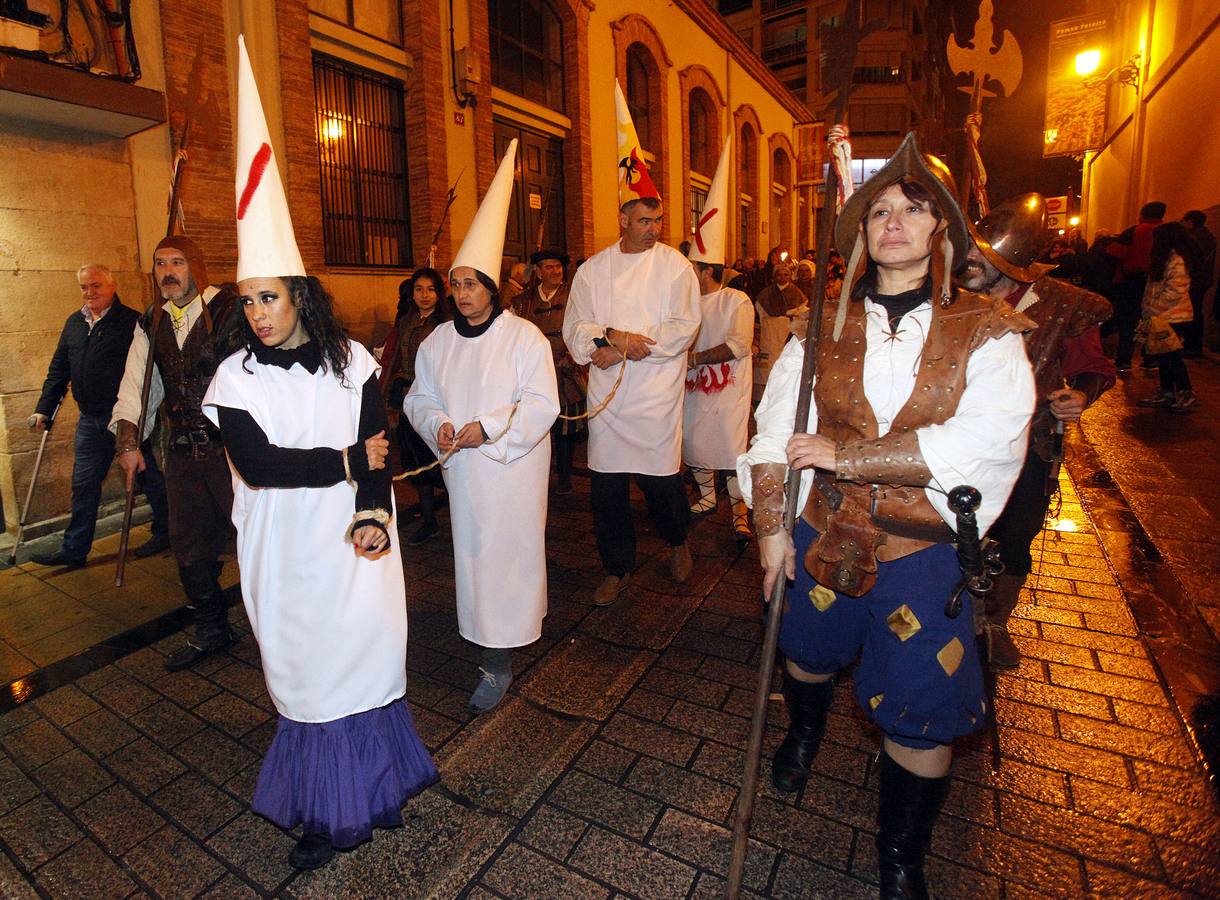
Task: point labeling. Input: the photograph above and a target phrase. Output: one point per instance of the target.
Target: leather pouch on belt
(844, 557)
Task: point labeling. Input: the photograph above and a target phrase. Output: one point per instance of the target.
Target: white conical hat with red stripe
(483, 247)
(711, 226)
(266, 244)
(634, 182)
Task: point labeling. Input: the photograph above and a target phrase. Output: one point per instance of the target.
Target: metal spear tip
(964, 499)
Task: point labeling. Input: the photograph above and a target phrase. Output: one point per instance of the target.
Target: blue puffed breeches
(919, 676)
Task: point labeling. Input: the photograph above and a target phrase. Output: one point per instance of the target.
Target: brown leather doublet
(1062, 312)
(907, 521)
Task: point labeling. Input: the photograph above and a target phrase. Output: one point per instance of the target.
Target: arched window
(702, 126)
(781, 194)
(527, 50)
(639, 73)
(747, 186)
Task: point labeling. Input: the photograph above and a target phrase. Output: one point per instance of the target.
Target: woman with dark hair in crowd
(919, 389)
(1167, 297)
(485, 393)
(299, 409)
(421, 307)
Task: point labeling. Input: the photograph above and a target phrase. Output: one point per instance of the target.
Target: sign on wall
(1076, 87)
(810, 152)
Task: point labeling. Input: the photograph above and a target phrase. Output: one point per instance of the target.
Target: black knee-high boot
(909, 807)
(808, 703)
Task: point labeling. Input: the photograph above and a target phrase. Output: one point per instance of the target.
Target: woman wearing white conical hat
(485, 385)
(300, 410)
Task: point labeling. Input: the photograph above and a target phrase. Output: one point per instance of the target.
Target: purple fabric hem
(346, 777)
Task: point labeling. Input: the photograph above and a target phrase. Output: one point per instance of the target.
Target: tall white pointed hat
(483, 247)
(710, 228)
(634, 182)
(266, 244)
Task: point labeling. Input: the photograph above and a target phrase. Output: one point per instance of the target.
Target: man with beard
(182, 333)
(777, 304)
(1070, 371)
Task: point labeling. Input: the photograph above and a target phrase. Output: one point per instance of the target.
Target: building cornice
(711, 22)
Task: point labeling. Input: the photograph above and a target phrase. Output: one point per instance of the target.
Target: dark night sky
(1012, 126)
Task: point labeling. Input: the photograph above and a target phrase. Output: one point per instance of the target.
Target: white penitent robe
(654, 293)
(497, 491)
(982, 444)
(716, 417)
(331, 627)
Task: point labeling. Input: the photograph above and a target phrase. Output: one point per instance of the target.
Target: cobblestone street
(612, 768)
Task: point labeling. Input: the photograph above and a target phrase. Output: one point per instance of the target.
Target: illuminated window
(362, 158)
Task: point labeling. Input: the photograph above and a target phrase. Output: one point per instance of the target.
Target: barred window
(362, 156)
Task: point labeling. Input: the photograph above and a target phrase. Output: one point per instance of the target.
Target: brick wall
(196, 76)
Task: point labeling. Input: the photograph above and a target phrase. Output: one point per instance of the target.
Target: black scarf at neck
(308, 355)
(898, 305)
(465, 329)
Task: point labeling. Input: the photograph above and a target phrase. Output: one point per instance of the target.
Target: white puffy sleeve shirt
(983, 444)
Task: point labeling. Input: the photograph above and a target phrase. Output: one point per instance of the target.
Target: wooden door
(537, 193)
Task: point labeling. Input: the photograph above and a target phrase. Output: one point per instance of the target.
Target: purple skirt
(344, 777)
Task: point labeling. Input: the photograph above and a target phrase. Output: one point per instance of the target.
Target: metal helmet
(907, 162)
(1011, 237)
(941, 170)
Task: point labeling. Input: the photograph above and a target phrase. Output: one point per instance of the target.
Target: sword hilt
(964, 500)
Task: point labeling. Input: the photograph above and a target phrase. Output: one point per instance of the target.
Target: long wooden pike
(436, 236)
(840, 49)
(175, 196)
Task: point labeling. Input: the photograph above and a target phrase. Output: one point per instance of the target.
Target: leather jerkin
(888, 521)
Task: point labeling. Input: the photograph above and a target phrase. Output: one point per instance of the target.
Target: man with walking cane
(180, 331)
(918, 388)
(90, 357)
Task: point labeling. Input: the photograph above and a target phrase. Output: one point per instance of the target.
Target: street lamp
(1088, 62)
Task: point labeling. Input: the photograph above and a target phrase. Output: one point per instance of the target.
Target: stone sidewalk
(612, 768)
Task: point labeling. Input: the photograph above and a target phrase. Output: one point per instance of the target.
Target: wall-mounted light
(1088, 62)
(1128, 73)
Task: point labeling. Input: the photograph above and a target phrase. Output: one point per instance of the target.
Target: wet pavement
(611, 769)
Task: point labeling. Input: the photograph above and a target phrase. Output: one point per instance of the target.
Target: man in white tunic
(484, 399)
(635, 305)
(716, 418)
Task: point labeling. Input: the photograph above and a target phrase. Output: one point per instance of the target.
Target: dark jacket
(92, 361)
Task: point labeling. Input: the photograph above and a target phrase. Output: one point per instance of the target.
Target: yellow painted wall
(687, 44)
(1157, 149)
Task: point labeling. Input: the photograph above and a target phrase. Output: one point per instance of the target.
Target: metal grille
(362, 155)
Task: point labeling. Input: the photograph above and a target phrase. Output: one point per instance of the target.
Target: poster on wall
(1076, 88)
(810, 155)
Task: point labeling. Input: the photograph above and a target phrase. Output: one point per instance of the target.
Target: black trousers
(200, 504)
(1022, 518)
(668, 507)
(1174, 376)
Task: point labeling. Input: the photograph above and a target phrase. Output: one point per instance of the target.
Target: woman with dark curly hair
(422, 306)
(299, 407)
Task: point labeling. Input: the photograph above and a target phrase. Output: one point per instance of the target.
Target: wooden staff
(157, 312)
(840, 65)
(436, 235)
